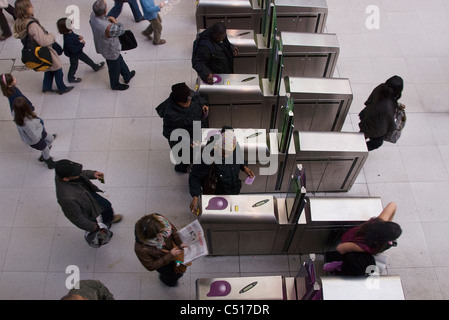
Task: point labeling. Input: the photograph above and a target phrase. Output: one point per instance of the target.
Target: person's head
(396, 84)
(68, 170)
(23, 9)
(379, 234)
(99, 7)
(64, 25)
(22, 110)
(227, 142)
(181, 94)
(7, 83)
(218, 32)
(149, 227)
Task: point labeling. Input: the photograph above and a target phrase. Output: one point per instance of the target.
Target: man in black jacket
(214, 54)
(226, 171)
(179, 111)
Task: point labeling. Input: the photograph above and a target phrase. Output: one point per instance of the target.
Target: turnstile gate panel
(301, 15)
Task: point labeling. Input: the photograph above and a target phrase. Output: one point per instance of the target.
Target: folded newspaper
(192, 235)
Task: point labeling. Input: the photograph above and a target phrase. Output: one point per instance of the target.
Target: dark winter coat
(377, 118)
(212, 57)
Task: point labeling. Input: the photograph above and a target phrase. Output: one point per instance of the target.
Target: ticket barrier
(308, 284)
(319, 104)
(293, 15)
(332, 160)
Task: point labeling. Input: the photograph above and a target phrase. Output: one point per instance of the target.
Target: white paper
(192, 235)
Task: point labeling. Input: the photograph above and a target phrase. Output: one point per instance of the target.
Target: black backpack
(34, 56)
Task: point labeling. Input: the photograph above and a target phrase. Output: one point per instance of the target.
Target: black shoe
(98, 66)
(68, 89)
(50, 163)
(121, 87)
(132, 73)
(49, 90)
(75, 80)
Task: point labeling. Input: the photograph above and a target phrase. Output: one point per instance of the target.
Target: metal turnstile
(301, 15)
(246, 61)
(235, 14)
(235, 100)
(319, 104)
(332, 160)
(325, 219)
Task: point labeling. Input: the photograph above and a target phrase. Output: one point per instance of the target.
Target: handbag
(399, 122)
(128, 41)
(34, 56)
(210, 182)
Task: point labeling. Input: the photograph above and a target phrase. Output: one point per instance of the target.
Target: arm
(388, 212)
(72, 211)
(197, 174)
(200, 60)
(151, 259)
(39, 36)
(115, 29)
(346, 247)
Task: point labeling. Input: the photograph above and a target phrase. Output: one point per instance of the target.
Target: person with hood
(26, 24)
(226, 166)
(159, 247)
(214, 53)
(377, 118)
(179, 111)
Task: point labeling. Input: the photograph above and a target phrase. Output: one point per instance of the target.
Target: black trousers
(374, 143)
(74, 64)
(168, 274)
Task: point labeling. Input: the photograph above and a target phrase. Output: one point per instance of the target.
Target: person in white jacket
(32, 131)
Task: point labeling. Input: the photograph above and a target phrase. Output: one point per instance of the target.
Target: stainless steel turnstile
(320, 104)
(325, 219)
(246, 61)
(332, 160)
(235, 14)
(301, 15)
(235, 100)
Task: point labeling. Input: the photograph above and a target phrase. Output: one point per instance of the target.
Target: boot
(50, 163)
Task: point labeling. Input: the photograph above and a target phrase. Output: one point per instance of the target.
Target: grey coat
(77, 202)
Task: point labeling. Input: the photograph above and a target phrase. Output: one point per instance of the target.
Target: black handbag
(128, 41)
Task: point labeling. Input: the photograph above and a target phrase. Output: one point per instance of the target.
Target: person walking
(179, 111)
(32, 130)
(3, 22)
(377, 118)
(27, 24)
(158, 247)
(8, 84)
(73, 49)
(117, 9)
(151, 13)
(106, 31)
(79, 198)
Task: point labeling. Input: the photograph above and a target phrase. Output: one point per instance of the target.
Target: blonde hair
(21, 9)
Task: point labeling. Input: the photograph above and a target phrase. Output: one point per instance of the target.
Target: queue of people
(157, 245)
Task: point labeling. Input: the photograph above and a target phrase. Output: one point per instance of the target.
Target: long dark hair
(396, 84)
(148, 227)
(377, 234)
(22, 110)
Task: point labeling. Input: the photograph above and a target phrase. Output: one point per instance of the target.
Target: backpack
(399, 121)
(34, 56)
(97, 238)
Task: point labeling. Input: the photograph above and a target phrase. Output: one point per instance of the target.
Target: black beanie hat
(66, 168)
(180, 92)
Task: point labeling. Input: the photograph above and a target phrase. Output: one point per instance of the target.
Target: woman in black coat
(377, 118)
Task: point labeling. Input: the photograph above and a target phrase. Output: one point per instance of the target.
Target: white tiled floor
(120, 134)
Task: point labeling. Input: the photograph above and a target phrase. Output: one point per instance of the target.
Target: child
(32, 131)
(73, 48)
(8, 84)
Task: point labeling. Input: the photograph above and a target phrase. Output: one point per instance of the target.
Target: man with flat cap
(79, 198)
(179, 111)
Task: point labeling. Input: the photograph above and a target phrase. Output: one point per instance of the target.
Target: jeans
(108, 213)
(117, 9)
(74, 64)
(116, 68)
(48, 80)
